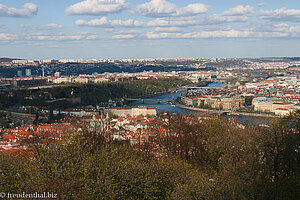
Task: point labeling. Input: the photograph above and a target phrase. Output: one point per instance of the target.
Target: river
(164, 106)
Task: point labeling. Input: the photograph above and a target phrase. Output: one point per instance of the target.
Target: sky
(120, 29)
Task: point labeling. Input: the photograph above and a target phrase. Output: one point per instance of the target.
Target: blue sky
(115, 29)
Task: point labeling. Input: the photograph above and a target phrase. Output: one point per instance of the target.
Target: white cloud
(127, 23)
(8, 36)
(192, 9)
(271, 27)
(51, 26)
(218, 34)
(261, 4)
(61, 36)
(104, 22)
(281, 14)
(225, 34)
(124, 36)
(97, 7)
(163, 8)
(271, 34)
(56, 37)
(43, 27)
(195, 21)
(196, 35)
(29, 10)
(156, 8)
(168, 29)
(284, 28)
(92, 37)
(28, 43)
(126, 31)
(240, 10)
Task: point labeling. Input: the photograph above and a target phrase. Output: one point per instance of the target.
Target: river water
(164, 106)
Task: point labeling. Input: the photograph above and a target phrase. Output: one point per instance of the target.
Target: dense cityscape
(150, 100)
(41, 101)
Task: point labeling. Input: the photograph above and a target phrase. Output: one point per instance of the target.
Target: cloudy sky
(42, 29)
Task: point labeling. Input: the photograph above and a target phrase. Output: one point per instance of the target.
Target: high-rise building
(28, 72)
(19, 73)
(43, 71)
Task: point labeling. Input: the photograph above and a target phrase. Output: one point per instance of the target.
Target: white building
(28, 72)
(81, 80)
(57, 74)
(63, 80)
(132, 111)
(20, 62)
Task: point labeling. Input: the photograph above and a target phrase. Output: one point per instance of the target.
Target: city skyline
(116, 29)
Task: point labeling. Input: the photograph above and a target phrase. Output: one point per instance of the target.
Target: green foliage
(12, 173)
(250, 163)
(90, 94)
(4, 123)
(87, 168)
(206, 160)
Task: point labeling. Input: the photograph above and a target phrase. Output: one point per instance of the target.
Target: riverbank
(219, 112)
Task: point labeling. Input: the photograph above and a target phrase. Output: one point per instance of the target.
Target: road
(229, 112)
(18, 116)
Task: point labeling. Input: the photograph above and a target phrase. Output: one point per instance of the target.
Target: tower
(28, 72)
(19, 73)
(43, 71)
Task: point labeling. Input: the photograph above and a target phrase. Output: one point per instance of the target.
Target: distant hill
(8, 59)
(293, 58)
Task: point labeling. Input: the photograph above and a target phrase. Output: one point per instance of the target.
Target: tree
(280, 148)
(206, 159)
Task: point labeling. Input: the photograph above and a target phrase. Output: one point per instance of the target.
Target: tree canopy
(205, 159)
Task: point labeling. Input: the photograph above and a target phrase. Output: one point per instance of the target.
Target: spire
(107, 117)
(101, 121)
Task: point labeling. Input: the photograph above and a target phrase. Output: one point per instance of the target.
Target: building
(63, 80)
(19, 73)
(28, 72)
(81, 80)
(273, 105)
(19, 62)
(283, 111)
(131, 111)
(33, 62)
(57, 74)
(232, 103)
(269, 106)
(100, 80)
(215, 102)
